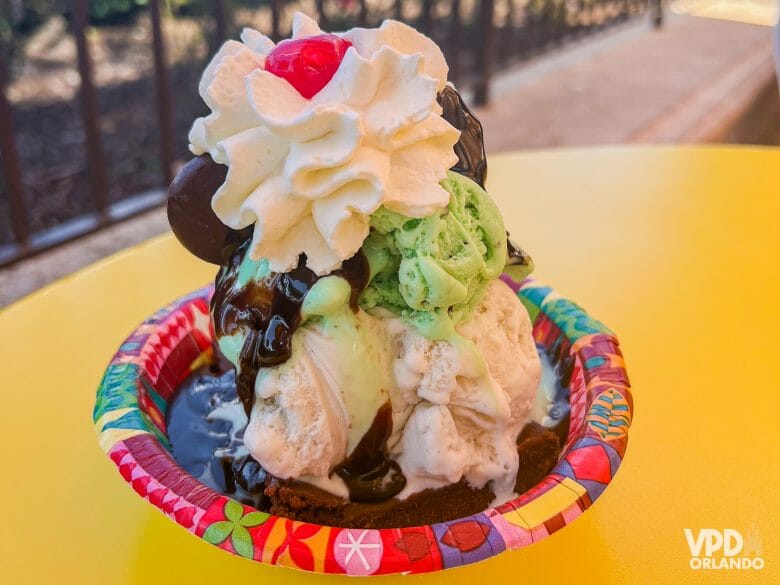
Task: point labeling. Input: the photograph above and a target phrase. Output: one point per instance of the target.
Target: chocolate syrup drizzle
(269, 311)
(516, 256)
(370, 475)
(210, 447)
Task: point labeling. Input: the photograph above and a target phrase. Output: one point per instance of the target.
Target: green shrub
(113, 11)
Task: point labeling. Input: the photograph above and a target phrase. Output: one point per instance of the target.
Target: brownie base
(300, 501)
(538, 448)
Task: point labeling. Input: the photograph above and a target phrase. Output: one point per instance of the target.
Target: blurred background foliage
(19, 18)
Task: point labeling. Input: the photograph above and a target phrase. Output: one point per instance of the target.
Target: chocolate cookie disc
(189, 209)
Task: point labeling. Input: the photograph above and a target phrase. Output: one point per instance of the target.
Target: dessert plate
(142, 377)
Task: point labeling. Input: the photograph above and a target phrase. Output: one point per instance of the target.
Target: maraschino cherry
(308, 64)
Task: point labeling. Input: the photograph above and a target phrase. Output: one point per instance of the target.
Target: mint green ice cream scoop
(433, 270)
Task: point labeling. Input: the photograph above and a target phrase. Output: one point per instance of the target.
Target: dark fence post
(485, 52)
(506, 33)
(220, 21)
(426, 18)
(276, 14)
(12, 170)
(97, 165)
(456, 40)
(163, 87)
(363, 14)
(322, 18)
(658, 13)
(399, 9)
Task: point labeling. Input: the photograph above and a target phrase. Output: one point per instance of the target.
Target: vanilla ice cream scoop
(457, 405)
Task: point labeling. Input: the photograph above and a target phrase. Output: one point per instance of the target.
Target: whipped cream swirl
(309, 172)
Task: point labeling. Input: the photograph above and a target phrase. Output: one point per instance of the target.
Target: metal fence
(477, 36)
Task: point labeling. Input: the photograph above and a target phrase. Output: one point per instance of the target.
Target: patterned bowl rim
(129, 417)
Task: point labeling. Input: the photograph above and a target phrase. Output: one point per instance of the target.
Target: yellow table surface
(676, 249)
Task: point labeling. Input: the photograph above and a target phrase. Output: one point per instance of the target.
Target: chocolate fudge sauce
(206, 432)
(269, 311)
(515, 256)
(561, 366)
(470, 148)
(370, 475)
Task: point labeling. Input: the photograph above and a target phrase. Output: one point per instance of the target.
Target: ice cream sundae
(371, 368)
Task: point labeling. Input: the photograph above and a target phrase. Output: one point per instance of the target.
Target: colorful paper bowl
(144, 374)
